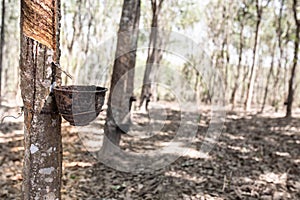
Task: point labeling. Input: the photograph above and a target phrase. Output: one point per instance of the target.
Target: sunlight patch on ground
(186, 151)
(184, 175)
(284, 154)
(240, 149)
(271, 177)
(17, 149)
(4, 138)
(192, 153)
(234, 137)
(77, 164)
(297, 161)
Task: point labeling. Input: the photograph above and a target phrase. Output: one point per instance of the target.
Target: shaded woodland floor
(256, 157)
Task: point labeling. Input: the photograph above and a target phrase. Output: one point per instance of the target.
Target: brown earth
(256, 157)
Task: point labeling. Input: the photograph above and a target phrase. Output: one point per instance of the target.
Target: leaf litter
(256, 157)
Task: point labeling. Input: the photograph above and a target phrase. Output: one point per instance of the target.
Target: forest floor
(256, 157)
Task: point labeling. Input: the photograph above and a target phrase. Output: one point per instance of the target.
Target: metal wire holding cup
(51, 88)
(15, 117)
(66, 73)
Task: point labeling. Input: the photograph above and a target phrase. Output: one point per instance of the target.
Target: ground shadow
(256, 157)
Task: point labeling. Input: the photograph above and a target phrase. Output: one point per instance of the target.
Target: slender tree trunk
(285, 79)
(225, 47)
(268, 79)
(88, 35)
(286, 61)
(295, 61)
(153, 54)
(121, 89)
(254, 66)
(77, 30)
(2, 40)
(223, 62)
(244, 88)
(275, 100)
(42, 131)
(196, 88)
(236, 83)
(256, 89)
(155, 69)
(227, 65)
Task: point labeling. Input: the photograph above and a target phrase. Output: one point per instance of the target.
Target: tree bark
(241, 47)
(42, 124)
(2, 40)
(275, 100)
(244, 86)
(253, 68)
(295, 61)
(286, 38)
(121, 89)
(257, 95)
(154, 54)
(268, 78)
(225, 47)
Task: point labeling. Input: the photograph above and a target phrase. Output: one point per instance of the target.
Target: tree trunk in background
(295, 61)
(244, 86)
(268, 78)
(257, 95)
(275, 100)
(40, 30)
(225, 47)
(286, 62)
(77, 30)
(2, 40)
(121, 89)
(237, 76)
(285, 79)
(154, 56)
(254, 66)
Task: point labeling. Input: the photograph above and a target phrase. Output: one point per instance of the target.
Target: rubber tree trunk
(121, 89)
(276, 88)
(295, 61)
(42, 124)
(268, 78)
(154, 54)
(241, 47)
(254, 66)
(2, 40)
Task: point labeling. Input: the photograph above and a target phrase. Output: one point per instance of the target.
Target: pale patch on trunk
(33, 149)
(47, 171)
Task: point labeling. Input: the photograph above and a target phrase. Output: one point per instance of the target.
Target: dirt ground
(256, 157)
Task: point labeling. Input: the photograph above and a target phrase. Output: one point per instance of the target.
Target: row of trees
(250, 41)
(255, 43)
(85, 25)
(40, 48)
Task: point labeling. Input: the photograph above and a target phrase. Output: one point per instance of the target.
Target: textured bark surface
(121, 89)
(42, 123)
(254, 66)
(154, 54)
(269, 78)
(239, 66)
(295, 62)
(2, 39)
(279, 32)
(40, 21)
